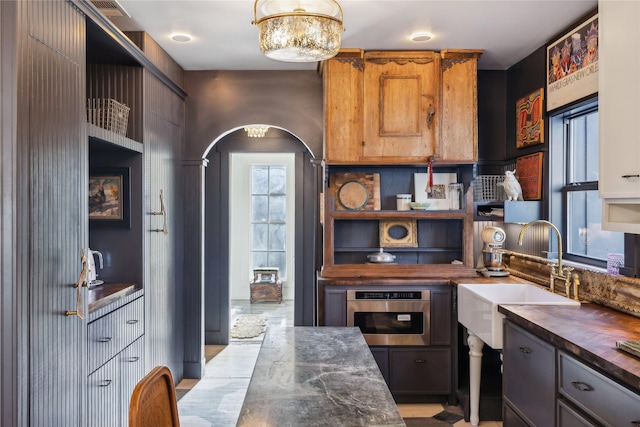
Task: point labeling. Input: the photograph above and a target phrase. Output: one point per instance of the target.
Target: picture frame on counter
(437, 195)
(572, 65)
(110, 196)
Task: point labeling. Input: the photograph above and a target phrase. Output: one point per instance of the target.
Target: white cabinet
(618, 92)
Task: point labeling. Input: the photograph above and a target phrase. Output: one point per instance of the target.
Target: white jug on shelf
(92, 274)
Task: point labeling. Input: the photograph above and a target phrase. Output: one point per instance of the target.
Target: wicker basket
(108, 114)
(489, 188)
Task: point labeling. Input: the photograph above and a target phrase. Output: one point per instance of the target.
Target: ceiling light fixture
(256, 131)
(421, 37)
(298, 30)
(181, 37)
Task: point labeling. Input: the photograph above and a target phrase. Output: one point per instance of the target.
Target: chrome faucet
(562, 273)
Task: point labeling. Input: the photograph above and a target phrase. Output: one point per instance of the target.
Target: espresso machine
(492, 265)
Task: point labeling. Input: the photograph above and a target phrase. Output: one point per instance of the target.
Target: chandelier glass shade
(298, 31)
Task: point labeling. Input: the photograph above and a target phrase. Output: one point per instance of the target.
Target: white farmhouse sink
(478, 306)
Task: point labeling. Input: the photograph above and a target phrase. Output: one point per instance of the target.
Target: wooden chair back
(153, 401)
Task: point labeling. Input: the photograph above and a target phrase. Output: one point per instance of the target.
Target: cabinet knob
(419, 361)
(525, 350)
(581, 386)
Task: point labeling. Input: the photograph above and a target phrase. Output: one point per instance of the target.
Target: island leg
(475, 369)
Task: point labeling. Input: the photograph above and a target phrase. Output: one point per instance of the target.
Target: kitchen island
(317, 376)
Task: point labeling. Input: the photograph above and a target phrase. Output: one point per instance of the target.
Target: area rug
(249, 326)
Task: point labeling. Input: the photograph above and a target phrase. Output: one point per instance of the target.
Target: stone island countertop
(317, 376)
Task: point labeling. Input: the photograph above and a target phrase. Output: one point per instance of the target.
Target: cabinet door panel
(619, 90)
(529, 375)
(401, 92)
(51, 209)
(131, 372)
(420, 370)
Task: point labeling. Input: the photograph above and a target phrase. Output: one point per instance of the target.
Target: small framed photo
(437, 194)
(110, 196)
(398, 234)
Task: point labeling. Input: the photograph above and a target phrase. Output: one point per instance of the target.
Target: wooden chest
(269, 292)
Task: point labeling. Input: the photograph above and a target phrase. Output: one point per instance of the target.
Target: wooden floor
(216, 399)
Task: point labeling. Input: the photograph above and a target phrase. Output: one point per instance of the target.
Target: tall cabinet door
(51, 211)
(401, 101)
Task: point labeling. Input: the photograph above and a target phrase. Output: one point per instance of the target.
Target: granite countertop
(317, 376)
(588, 331)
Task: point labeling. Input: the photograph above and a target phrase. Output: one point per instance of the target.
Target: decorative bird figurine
(512, 186)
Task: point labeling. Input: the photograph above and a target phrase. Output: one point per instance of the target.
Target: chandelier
(256, 131)
(298, 30)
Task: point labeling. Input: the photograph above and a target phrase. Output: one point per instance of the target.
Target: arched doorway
(217, 233)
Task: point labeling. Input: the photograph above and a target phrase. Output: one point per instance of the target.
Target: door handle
(82, 281)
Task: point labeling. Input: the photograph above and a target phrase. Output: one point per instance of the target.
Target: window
(577, 185)
(269, 217)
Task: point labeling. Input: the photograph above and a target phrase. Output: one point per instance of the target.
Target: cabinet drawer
(113, 332)
(528, 381)
(420, 370)
(103, 396)
(567, 417)
(596, 395)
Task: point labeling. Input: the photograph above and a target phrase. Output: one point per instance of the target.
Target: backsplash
(617, 292)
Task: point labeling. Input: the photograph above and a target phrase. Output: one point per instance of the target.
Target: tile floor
(217, 398)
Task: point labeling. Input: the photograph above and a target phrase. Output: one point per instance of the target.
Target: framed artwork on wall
(398, 234)
(529, 171)
(110, 196)
(529, 120)
(572, 65)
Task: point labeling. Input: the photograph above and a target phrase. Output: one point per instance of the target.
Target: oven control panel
(388, 295)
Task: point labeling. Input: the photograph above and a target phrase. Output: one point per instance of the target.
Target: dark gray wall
(220, 101)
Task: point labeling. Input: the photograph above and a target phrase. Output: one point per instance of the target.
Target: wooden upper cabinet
(400, 107)
(343, 101)
(458, 141)
(401, 97)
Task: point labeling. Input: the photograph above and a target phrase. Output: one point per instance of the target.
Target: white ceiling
(224, 39)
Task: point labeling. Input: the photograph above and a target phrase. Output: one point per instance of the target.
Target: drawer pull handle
(525, 350)
(419, 361)
(134, 359)
(105, 383)
(581, 386)
(132, 321)
(631, 176)
(105, 339)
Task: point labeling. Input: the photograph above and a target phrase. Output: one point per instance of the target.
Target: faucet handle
(566, 270)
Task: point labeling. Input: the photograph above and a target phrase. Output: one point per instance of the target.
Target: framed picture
(529, 121)
(529, 171)
(572, 65)
(110, 196)
(398, 234)
(438, 194)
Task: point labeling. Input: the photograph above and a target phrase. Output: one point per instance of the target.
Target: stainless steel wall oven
(390, 317)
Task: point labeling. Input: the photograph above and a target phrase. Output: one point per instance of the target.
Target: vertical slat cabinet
(51, 211)
(103, 396)
(132, 370)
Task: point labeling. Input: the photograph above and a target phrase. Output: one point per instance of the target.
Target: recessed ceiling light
(421, 37)
(181, 38)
